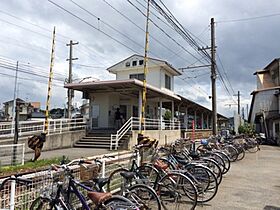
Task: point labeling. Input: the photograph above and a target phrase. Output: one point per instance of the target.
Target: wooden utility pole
(70, 92)
(213, 77)
(16, 119)
(144, 94)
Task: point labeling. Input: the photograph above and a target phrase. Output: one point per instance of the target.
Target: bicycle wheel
(116, 181)
(204, 180)
(143, 196)
(117, 202)
(42, 203)
(214, 167)
(232, 152)
(226, 160)
(219, 160)
(148, 174)
(176, 191)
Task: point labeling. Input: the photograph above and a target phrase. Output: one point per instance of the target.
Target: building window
(134, 63)
(167, 82)
(127, 64)
(137, 76)
(141, 62)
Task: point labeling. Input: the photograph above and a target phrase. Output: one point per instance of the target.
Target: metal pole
(144, 94)
(238, 101)
(46, 127)
(14, 102)
(213, 77)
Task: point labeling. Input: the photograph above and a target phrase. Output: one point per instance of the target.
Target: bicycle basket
(88, 172)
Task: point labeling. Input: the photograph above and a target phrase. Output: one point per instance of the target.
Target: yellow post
(144, 94)
(46, 127)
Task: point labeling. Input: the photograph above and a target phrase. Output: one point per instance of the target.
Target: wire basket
(88, 172)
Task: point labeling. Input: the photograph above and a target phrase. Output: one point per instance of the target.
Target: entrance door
(123, 111)
(94, 115)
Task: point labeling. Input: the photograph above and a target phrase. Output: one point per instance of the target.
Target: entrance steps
(101, 139)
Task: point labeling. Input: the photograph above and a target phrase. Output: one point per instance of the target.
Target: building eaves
(265, 89)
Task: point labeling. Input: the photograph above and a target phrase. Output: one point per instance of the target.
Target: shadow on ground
(271, 208)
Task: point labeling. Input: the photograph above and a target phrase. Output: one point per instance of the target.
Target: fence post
(103, 169)
(23, 151)
(13, 192)
(60, 126)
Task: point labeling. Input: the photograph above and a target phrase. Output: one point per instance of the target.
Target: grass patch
(31, 166)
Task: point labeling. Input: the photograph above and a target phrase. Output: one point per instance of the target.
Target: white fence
(42, 182)
(32, 127)
(12, 154)
(134, 123)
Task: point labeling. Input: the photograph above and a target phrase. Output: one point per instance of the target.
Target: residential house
(264, 111)
(25, 109)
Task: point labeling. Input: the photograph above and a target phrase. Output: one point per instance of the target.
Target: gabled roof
(18, 99)
(149, 58)
(261, 71)
(271, 63)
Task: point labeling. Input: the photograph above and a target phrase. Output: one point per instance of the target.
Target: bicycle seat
(128, 175)
(98, 197)
(160, 165)
(101, 182)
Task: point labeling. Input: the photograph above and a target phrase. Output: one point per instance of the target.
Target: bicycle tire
(143, 196)
(205, 181)
(226, 160)
(232, 152)
(115, 180)
(175, 190)
(148, 174)
(42, 203)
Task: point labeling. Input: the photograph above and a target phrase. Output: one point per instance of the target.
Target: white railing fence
(43, 182)
(12, 154)
(32, 127)
(134, 123)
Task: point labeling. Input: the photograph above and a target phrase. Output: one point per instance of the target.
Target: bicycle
(62, 198)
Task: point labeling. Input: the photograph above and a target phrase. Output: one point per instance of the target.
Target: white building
(125, 93)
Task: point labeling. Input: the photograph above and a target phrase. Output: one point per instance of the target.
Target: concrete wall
(198, 134)
(164, 136)
(53, 141)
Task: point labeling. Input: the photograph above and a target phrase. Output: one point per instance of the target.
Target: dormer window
(127, 64)
(134, 63)
(141, 62)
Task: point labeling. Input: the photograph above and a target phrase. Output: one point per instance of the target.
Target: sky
(110, 30)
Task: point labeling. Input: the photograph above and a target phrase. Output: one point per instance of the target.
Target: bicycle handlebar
(17, 179)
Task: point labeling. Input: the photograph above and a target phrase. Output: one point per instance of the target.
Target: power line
(152, 37)
(92, 26)
(249, 18)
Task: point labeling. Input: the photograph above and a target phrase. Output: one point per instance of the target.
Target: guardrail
(32, 127)
(43, 181)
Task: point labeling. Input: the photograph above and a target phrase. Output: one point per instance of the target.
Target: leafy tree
(167, 115)
(246, 129)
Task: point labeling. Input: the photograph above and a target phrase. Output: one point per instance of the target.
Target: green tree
(246, 129)
(167, 115)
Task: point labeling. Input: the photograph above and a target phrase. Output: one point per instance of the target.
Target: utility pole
(17, 109)
(247, 107)
(238, 102)
(70, 92)
(14, 102)
(213, 77)
(144, 94)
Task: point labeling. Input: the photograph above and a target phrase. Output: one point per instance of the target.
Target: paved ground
(252, 183)
(71, 153)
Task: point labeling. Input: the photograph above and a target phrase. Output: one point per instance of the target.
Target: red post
(193, 130)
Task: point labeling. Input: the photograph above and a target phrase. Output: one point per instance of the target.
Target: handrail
(120, 133)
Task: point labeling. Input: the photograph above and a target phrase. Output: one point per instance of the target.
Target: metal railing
(42, 182)
(12, 154)
(149, 124)
(32, 127)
